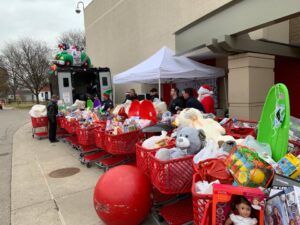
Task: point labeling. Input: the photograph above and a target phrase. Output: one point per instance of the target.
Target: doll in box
(241, 213)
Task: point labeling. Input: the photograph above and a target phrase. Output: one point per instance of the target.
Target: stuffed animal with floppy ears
(189, 141)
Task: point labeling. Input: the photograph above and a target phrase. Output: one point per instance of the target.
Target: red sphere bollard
(122, 196)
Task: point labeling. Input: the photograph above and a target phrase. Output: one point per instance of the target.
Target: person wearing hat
(107, 103)
(52, 111)
(205, 96)
(153, 94)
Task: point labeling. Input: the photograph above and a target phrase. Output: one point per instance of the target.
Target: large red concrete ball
(122, 196)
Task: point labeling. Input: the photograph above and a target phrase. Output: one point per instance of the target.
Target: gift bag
(214, 169)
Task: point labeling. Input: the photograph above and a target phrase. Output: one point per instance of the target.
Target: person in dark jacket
(153, 94)
(177, 102)
(190, 101)
(52, 111)
(107, 104)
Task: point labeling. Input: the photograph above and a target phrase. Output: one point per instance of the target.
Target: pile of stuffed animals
(202, 137)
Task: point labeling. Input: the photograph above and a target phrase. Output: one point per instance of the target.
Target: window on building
(66, 82)
(104, 81)
(42, 94)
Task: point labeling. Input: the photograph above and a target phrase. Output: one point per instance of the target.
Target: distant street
(10, 121)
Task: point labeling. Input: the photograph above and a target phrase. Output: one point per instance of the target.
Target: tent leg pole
(114, 94)
(159, 89)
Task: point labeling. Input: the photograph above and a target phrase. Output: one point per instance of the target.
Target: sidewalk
(40, 199)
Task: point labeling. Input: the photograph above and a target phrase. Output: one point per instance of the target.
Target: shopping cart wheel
(81, 155)
(88, 165)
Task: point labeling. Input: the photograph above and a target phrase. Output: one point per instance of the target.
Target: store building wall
(122, 33)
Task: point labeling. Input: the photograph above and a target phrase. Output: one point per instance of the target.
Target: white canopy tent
(163, 67)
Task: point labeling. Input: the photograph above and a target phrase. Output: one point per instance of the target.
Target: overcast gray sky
(39, 19)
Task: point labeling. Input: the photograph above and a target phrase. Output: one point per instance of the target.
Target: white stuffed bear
(193, 118)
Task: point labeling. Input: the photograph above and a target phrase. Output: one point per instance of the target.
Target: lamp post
(78, 10)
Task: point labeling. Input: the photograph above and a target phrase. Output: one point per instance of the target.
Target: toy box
(222, 202)
(292, 203)
(248, 168)
(289, 165)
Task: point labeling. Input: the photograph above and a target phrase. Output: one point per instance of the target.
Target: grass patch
(23, 105)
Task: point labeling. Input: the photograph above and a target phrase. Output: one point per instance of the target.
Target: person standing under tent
(108, 104)
(153, 94)
(190, 101)
(52, 111)
(131, 95)
(205, 96)
(177, 102)
(97, 102)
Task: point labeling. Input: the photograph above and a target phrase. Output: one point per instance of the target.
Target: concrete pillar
(249, 80)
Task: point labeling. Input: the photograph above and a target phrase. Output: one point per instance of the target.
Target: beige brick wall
(295, 31)
(122, 33)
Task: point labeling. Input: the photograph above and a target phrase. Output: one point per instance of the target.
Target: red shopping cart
(240, 128)
(172, 176)
(201, 204)
(143, 156)
(121, 148)
(39, 122)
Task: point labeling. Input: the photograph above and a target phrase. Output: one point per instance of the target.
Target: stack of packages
(118, 125)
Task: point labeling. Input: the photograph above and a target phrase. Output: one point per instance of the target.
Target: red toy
(122, 196)
(205, 93)
(134, 108)
(147, 111)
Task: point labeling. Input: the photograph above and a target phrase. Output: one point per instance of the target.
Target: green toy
(89, 104)
(273, 127)
(71, 56)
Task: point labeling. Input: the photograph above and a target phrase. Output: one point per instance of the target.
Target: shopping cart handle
(157, 128)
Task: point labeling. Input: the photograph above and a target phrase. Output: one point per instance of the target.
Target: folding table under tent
(164, 67)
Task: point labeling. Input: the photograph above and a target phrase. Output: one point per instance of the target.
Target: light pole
(78, 10)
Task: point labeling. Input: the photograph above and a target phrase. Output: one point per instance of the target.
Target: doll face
(244, 210)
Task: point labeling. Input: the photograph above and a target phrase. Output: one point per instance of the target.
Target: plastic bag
(150, 143)
(204, 187)
(261, 148)
(211, 150)
(294, 128)
(38, 111)
(168, 154)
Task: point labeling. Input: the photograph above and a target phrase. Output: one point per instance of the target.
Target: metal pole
(159, 89)
(226, 94)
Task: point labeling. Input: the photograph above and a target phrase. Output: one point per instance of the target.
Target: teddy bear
(193, 118)
(189, 141)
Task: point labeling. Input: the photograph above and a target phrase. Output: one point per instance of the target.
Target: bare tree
(27, 61)
(72, 37)
(11, 79)
(4, 88)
